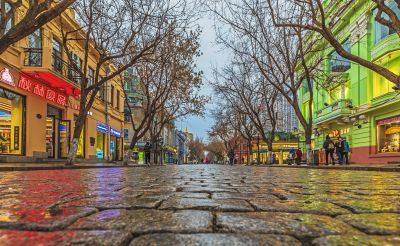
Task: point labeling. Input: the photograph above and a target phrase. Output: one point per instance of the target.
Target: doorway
(57, 134)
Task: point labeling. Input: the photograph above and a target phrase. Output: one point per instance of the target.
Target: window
(10, 21)
(102, 91)
(118, 100)
(112, 96)
(57, 56)
(388, 135)
(75, 68)
(382, 31)
(90, 76)
(12, 125)
(338, 63)
(34, 51)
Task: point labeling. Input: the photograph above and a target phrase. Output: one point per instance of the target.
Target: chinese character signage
(6, 77)
(42, 91)
(115, 133)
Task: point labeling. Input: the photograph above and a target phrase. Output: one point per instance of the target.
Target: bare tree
(170, 84)
(20, 18)
(286, 57)
(251, 96)
(118, 35)
(318, 17)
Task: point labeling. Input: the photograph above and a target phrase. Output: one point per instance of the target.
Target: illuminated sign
(115, 133)
(42, 91)
(100, 127)
(388, 121)
(6, 77)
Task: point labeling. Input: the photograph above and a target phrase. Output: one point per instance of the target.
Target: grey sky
(212, 57)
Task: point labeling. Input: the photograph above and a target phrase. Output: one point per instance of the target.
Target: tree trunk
(309, 155)
(72, 152)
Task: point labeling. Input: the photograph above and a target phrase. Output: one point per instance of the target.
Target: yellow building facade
(39, 101)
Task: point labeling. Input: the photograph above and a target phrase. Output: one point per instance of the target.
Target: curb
(353, 168)
(39, 168)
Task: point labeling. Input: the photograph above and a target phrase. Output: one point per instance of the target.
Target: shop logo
(115, 133)
(6, 77)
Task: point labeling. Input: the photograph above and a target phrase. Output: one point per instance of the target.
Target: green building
(360, 105)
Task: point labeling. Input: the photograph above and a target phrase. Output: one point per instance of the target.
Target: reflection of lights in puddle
(8, 216)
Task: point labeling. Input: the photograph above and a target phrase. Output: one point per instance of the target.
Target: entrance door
(50, 136)
(64, 132)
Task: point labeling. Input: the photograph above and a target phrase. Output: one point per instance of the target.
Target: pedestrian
(273, 158)
(231, 156)
(147, 149)
(299, 155)
(329, 149)
(346, 150)
(292, 155)
(339, 150)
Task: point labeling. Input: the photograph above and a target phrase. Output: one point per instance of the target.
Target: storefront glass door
(50, 136)
(64, 132)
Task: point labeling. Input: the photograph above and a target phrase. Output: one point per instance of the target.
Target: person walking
(329, 149)
(299, 155)
(231, 156)
(147, 149)
(346, 150)
(339, 150)
(291, 156)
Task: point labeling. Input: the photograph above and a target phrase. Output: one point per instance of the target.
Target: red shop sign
(42, 91)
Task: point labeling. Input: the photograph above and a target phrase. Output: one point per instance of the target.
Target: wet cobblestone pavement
(199, 205)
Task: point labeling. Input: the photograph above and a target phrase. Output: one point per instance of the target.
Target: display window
(100, 145)
(12, 123)
(388, 135)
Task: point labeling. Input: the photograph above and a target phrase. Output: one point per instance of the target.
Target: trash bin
(315, 160)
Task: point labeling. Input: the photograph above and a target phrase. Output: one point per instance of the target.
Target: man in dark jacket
(147, 150)
(329, 149)
(339, 150)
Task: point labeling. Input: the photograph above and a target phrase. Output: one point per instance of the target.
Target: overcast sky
(212, 56)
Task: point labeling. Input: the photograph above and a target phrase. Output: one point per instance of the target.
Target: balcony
(52, 69)
(337, 109)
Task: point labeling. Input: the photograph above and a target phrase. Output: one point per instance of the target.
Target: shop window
(100, 145)
(338, 63)
(80, 152)
(12, 122)
(382, 31)
(388, 135)
(74, 73)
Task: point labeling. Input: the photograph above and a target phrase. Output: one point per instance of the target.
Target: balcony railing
(67, 70)
(336, 109)
(33, 57)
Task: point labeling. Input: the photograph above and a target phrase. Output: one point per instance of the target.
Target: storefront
(12, 119)
(388, 135)
(115, 144)
(102, 130)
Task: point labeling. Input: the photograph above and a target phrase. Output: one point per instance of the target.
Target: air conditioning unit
(362, 117)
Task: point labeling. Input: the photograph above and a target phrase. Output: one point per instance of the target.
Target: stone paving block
(146, 221)
(166, 239)
(356, 240)
(192, 195)
(296, 224)
(109, 202)
(89, 238)
(299, 206)
(245, 196)
(206, 204)
(379, 223)
(370, 206)
(43, 219)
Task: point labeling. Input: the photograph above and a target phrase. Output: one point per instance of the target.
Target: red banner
(42, 91)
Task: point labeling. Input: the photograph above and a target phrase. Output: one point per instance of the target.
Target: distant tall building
(287, 119)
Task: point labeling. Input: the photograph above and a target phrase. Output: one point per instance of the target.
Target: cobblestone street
(199, 205)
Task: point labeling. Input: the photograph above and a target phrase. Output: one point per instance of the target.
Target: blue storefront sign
(100, 127)
(115, 133)
(100, 154)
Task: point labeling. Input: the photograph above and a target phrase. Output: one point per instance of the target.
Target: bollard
(281, 158)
